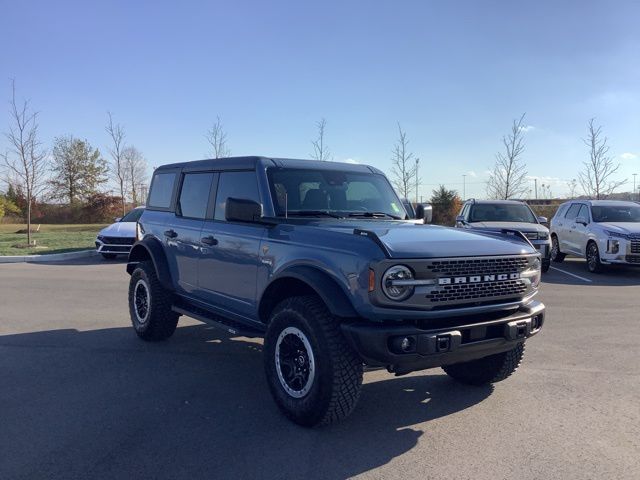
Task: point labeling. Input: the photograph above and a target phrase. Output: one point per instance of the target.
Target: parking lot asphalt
(82, 397)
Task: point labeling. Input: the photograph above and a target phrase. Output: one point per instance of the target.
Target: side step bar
(234, 328)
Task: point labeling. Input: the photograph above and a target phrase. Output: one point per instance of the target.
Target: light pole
(634, 185)
(464, 186)
(417, 178)
(535, 181)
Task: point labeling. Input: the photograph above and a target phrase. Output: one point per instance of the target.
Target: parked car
(602, 231)
(320, 259)
(117, 238)
(422, 211)
(508, 214)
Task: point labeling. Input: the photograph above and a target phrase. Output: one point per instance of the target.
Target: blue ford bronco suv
(320, 259)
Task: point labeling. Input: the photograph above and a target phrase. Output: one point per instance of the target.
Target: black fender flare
(151, 248)
(327, 288)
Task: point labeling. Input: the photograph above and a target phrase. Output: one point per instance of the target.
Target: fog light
(613, 246)
(403, 344)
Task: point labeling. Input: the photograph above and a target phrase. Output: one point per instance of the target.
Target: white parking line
(572, 275)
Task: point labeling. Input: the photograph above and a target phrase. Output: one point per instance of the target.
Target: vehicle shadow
(574, 272)
(89, 260)
(103, 404)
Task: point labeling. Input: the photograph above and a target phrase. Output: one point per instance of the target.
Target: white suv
(602, 231)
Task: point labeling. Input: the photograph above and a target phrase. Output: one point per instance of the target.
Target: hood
(622, 227)
(412, 240)
(119, 229)
(520, 226)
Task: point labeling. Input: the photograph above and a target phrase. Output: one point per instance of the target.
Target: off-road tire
(108, 256)
(491, 369)
(335, 388)
(160, 321)
(556, 255)
(593, 258)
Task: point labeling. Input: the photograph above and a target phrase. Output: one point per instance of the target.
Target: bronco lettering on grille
(478, 278)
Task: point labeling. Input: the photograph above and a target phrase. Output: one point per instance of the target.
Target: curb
(54, 257)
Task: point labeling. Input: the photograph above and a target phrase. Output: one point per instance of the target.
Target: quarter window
(240, 185)
(194, 195)
(161, 190)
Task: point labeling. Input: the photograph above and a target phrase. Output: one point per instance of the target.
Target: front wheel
(313, 373)
(594, 265)
(546, 264)
(491, 369)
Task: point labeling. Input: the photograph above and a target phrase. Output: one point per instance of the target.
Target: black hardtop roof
(250, 163)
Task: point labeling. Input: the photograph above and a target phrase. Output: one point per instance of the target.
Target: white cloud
(351, 160)
(471, 173)
(628, 156)
(527, 128)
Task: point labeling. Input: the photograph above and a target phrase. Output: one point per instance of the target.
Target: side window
(572, 213)
(161, 190)
(194, 195)
(243, 185)
(584, 212)
(465, 210)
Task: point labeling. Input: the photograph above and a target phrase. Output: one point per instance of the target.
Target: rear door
(566, 228)
(580, 231)
(228, 266)
(182, 231)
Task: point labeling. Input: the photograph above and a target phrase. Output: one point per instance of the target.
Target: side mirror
(424, 212)
(543, 220)
(460, 220)
(242, 210)
(582, 220)
(117, 219)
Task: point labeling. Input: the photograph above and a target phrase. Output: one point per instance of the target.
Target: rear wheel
(150, 304)
(491, 369)
(556, 255)
(313, 373)
(593, 258)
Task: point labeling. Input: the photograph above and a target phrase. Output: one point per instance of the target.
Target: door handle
(170, 234)
(209, 240)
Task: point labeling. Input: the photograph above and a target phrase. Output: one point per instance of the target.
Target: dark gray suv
(320, 259)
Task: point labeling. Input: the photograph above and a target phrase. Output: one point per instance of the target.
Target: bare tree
(136, 166)
(573, 188)
(404, 166)
(509, 176)
(217, 138)
(595, 179)
(118, 165)
(320, 150)
(26, 159)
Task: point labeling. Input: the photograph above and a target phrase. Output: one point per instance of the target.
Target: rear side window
(572, 213)
(161, 190)
(194, 195)
(241, 185)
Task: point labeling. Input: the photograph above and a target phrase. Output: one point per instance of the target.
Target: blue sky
(453, 73)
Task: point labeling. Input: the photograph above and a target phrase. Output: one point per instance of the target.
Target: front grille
(633, 258)
(119, 240)
(635, 246)
(479, 266)
(471, 292)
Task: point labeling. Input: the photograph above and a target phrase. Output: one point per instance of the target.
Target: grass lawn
(50, 238)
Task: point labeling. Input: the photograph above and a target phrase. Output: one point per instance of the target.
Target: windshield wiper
(374, 215)
(312, 213)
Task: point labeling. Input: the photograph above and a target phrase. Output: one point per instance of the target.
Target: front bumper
(116, 249)
(620, 251)
(380, 344)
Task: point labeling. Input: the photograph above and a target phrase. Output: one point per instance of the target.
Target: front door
(228, 266)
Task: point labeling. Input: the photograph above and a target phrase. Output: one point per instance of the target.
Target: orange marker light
(372, 280)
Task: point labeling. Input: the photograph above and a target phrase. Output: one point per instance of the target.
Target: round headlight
(392, 283)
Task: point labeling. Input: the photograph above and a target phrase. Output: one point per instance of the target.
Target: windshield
(500, 212)
(610, 213)
(333, 192)
(133, 216)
